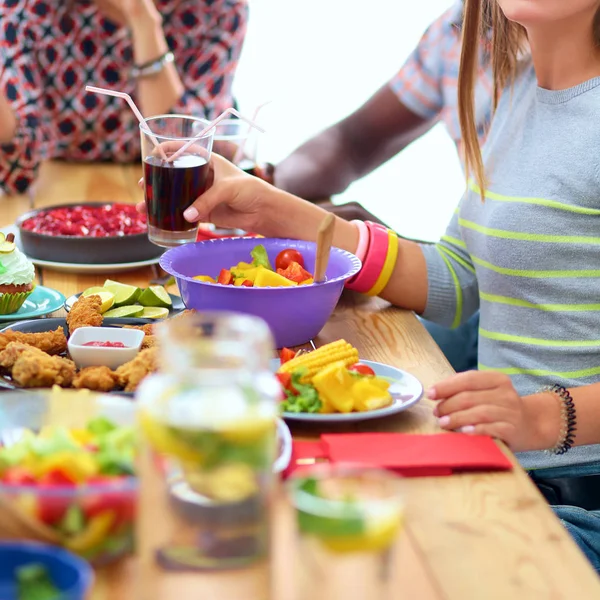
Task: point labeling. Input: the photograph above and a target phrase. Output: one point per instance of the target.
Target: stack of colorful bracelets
(378, 252)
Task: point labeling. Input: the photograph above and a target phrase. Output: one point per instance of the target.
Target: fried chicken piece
(99, 379)
(11, 352)
(131, 373)
(51, 342)
(85, 313)
(31, 367)
(149, 341)
(148, 328)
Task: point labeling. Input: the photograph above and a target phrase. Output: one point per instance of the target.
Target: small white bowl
(93, 356)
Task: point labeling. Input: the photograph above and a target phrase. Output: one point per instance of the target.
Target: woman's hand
(235, 200)
(484, 402)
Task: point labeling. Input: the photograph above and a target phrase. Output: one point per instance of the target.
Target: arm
(486, 403)
(350, 149)
(8, 121)
(200, 80)
(396, 115)
(437, 280)
(23, 135)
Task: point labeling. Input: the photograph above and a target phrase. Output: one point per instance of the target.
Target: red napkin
(411, 455)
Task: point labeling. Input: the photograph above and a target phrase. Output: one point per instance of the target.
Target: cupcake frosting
(15, 269)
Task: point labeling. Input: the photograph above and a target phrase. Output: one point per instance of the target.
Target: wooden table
(486, 536)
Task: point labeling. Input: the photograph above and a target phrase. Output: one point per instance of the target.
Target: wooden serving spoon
(324, 239)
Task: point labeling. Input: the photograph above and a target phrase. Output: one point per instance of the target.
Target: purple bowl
(294, 314)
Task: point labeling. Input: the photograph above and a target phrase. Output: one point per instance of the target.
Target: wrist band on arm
(363, 240)
(388, 265)
(154, 66)
(374, 260)
(568, 418)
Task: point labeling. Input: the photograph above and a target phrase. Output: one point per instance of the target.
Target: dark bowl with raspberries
(87, 233)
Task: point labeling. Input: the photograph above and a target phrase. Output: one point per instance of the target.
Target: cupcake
(16, 276)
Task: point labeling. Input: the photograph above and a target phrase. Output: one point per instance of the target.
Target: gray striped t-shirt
(529, 256)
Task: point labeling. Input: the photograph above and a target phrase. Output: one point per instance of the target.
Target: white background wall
(318, 60)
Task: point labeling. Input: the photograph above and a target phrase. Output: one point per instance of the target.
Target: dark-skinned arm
(350, 149)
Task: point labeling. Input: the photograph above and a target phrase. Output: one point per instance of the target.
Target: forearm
(319, 168)
(8, 121)
(544, 415)
(156, 93)
(352, 148)
(408, 285)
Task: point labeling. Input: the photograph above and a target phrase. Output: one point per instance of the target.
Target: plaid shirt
(427, 84)
(50, 52)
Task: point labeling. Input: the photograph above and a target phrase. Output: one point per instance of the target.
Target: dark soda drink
(171, 187)
(248, 166)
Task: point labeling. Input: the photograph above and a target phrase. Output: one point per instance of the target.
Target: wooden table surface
(485, 536)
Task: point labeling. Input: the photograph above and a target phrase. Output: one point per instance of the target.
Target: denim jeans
(458, 345)
(583, 525)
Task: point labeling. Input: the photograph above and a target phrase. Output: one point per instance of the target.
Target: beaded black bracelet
(568, 418)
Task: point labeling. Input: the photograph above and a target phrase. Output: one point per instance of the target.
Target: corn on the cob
(316, 360)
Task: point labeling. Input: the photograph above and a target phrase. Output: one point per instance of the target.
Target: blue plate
(406, 390)
(176, 307)
(42, 301)
(69, 573)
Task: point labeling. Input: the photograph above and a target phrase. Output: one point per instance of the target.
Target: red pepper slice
(286, 354)
(225, 277)
(18, 476)
(286, 382)
(294, 272)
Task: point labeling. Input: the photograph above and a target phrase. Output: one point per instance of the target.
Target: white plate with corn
(332, 385)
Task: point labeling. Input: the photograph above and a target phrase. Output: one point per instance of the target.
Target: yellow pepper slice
(334, 385)
(78, 466)
(369, 396)
(97, 529)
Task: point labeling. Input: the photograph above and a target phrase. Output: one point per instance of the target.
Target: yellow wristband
(388, 265)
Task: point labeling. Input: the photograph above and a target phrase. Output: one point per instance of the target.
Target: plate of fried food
(34, 354)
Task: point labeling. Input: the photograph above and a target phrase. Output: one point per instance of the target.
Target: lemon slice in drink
(155, 295)
(162, 438)
(107, 297)
(124, 294)
(379, 533)
(155, 312)
(125, 311)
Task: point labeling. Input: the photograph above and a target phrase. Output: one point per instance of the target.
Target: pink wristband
(374, 260)
(363, 240)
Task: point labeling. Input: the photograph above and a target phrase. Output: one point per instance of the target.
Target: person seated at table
(171, 56)
(422, 93)
(522, 247)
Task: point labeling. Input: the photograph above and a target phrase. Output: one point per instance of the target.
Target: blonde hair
(508, 42)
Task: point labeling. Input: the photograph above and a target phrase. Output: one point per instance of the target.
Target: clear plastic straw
(134, 108)
(223, 115)
(240, 151)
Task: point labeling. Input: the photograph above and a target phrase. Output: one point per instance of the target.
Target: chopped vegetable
(225, 277)
(34, 583)
(266, 278)
(286, 354)
(361, 369)
(260, 257)
(334, 384)
(260, 273)
(294, 272)
(328, 354)
(303, 398)
(63, 464)
(285, 257)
